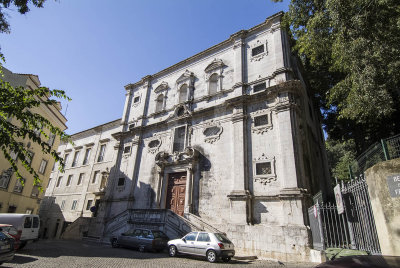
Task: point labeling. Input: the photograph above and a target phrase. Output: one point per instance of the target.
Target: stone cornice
(293, 87)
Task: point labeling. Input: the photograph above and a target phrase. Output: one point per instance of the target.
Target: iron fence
(384, 150)
(353, 229)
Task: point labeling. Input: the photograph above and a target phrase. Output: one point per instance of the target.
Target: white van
(27, 225)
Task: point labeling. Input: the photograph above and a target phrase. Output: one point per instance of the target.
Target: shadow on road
(57, 248)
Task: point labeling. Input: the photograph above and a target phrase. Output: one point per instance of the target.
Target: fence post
(351, 173)
(385, 149)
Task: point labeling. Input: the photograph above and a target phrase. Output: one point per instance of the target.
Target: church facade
(225, 140)
(228, 136)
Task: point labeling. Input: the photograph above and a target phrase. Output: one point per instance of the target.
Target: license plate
(6, 247)
(230, 254)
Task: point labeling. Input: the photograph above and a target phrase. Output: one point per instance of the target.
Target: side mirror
(184, 240)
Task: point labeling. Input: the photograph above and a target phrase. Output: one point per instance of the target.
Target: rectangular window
(127, 149)
(5, 177)
(35, 223)
(261, 120)
(19, 185)
(101, 153)
(62, 205)
(29, 211)
(76, 159)
(257, 50)
(73, 207)
(52, 138)
(259, 87)
(69, 180)
(12, 209)
(89, 204)
(179, 139)
(263, 168)
(66, 159)
(42, 167)
(35, 191)
(121, 181)
(28, 222)
(80, 178)
(87, 155)
(59, 181)
(95, 176)
(29, 158)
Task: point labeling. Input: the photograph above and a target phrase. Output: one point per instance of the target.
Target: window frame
(42, 170)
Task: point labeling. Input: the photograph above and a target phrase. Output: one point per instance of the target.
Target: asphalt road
(61, 253)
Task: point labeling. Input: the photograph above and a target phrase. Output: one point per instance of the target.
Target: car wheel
(114, 243)
(211, 256)
(141, 248)
(226, 259)
(172, 251)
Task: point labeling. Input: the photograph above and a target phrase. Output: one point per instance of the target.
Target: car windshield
(159, 234)
(222, 238)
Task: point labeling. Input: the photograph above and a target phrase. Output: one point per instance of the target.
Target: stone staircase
(165, 220)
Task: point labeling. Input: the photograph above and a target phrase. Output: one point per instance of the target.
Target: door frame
(189, 183)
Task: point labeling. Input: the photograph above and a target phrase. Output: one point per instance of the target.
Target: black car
(6, 247)
(142, 239)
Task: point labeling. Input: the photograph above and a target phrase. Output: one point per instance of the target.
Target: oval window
(211, 131)
(154, 143)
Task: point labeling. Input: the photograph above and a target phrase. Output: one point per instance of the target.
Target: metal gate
(353, 229)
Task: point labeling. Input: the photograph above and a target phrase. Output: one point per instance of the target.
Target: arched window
(183, 93)
(160, 103)
(213, 84)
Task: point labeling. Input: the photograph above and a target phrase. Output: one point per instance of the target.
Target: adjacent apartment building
(15, 197)
(75, 192)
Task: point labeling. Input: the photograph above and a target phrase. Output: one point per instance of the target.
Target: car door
(202, 243)
(146, 239)
(187, 245)
(123, 239)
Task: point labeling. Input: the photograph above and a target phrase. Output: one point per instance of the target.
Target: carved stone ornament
(162, 87)
(212, 132)
(261, 121)
(187, 156)
(265, 181)
(186, 76)
(264, 169)
(154, 145)
(259, 56)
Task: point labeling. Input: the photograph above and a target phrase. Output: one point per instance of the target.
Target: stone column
(160, 176)
(189, 190)
(239, 196)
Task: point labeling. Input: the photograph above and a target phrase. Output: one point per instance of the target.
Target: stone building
(229, 140)
(16, 197)
(74, 193)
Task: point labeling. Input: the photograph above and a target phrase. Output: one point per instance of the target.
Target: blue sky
(93, 48)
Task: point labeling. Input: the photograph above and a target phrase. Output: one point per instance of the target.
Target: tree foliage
(22, 7)
(18, 122)
(350, 51)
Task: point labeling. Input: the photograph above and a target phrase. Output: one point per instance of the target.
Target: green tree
(22, 7)
(17, 103)
(340, 155)
(350, 51)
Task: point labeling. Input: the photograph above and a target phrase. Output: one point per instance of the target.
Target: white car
(211, 245)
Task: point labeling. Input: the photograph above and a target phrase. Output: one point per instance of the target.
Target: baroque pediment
(214, 65)
(163, 86)
(184, 77)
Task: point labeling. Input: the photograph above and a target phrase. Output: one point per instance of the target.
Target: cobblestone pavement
(61, 253)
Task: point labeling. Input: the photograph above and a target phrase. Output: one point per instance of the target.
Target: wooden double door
(176, 192)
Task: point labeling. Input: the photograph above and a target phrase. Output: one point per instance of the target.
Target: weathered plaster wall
(386, 208)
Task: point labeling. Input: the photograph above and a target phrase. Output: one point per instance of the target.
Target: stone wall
(386, 207)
